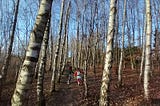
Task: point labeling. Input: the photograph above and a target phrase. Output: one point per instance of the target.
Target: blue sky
(28, 11)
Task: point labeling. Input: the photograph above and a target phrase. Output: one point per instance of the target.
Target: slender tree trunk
(116, 39)
(8, 56)
(96, 39)
(122, 49)
(94, 54)
(148, 49)
(25, 78)
(108, 57)
(85, 79)
(36, 70)
(132, 60)
(63, 54)
(143, 51)
(55, 61)
(51, 52)
(86, 64)
(66, 51)
(130, 46)
(42, 65)
(73, 60)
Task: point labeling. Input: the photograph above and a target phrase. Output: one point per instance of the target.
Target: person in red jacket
(78, 76)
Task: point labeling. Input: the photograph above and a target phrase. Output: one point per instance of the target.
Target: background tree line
(75, 31)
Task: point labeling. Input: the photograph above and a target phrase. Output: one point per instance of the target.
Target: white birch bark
(25, 78)
(108, 57)
(42, 65)
(143, 52)
(148, 49)
(122, 49)
(63, 54)
(55, 61)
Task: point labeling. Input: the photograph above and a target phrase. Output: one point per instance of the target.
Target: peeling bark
(26, 73)
(104, 92)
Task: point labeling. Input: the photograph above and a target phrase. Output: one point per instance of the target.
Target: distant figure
(69, 74)
(78, 76)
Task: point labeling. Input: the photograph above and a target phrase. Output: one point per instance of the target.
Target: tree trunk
(55, 61)
(66, 51)
(108, 57)
(42, 65)
(143, 51)
(25, 78)
(116, 40)
(96, 39)
(36, 70)
(63, 54)
(8, 56)
(85, 80)
(148, 49)
(51, 52)
(122, 49)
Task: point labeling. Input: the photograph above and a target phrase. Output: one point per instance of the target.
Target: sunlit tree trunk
(25, 78)
(122, 49)
(148, 49)
(55, 61)
(143, 51)
(42, 65)
(9, 51)
(63, 54)
(108, 57)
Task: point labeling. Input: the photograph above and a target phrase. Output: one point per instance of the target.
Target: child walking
(77, 74)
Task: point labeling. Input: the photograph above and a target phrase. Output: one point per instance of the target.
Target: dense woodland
(115, 43)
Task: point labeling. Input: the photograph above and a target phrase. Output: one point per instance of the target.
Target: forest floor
(130, 94)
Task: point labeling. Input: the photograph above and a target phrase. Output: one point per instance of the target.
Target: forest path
(66, 95)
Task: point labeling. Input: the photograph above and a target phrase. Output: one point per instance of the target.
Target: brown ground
(130, 94)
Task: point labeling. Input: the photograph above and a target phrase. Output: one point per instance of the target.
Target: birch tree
(26, 74)
(78, 16)
(96, 38)
(148, 49)
(55, 61)
(51, 51)
(108, 57)
(122, 49)
(42, 65)
(64, 50)
(143, 51)
(116, 38)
